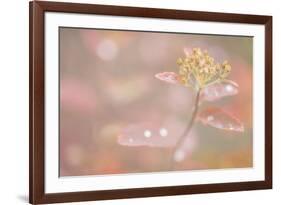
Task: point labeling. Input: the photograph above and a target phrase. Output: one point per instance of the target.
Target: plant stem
(187, 130)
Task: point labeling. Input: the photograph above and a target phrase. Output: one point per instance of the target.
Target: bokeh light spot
(107, 50)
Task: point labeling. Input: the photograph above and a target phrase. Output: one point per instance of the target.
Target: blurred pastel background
(107, 83)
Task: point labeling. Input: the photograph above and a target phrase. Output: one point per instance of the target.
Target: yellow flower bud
(201, 67)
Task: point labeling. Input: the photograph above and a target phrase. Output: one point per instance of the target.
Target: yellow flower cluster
(199, 70)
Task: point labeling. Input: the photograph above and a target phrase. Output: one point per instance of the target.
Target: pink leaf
(151, 134)
(169, 77)
(218, 118)
(219, 90)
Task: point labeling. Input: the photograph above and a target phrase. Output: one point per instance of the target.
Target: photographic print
(130, 102)
(139, 102)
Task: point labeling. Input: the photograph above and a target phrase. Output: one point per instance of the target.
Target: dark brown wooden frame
(37, 194)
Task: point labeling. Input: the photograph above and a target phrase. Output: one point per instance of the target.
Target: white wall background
(14, 100)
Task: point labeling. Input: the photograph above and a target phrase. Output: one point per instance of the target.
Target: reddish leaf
(151, 134)
(220, 119)
(219, 90)
(169, 77)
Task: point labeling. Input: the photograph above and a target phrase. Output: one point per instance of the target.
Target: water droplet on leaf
(147, 134)
(163, 132)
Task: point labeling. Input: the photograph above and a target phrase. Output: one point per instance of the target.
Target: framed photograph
(139, 102)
